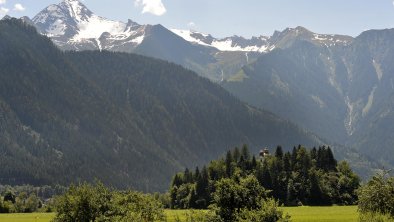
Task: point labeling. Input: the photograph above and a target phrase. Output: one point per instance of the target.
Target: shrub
(268, 211)
(375, 217)
(97, 203)
(200, 216)
(245, 201)
(377, 196)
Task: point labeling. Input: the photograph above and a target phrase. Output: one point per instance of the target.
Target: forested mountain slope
(125, 119)
(343, 93)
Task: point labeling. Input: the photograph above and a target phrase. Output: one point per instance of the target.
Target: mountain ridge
(341, 93)
(80, 13)
(218, 59)
(75, 116)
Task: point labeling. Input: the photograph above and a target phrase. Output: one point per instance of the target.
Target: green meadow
(322, 214)
(29, 217)
(298, 214)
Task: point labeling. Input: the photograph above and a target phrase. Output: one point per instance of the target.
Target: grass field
(323, 214)
(298, 214)
(34, 217)
(302, 214)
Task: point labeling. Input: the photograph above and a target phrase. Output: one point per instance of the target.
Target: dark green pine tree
(331, 162)
(202, 190)
(279, 152)
(245, 152)
(287, 163)
(236, 154)
(196, 174)
(242, 163)
(253, 164)
(320, 158)
(193, 200)
(173, 199)
(315, 194)
(187, 176)
(266, 180)
(229, 164)
(177, 180)
(293, 158)
(314, 154)
(291, 197)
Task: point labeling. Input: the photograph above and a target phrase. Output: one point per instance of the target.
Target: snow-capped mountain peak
(72, 25)
(263, 44)
(77, 10)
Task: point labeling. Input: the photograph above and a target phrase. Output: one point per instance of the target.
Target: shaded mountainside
(344, 94)
(127, 120)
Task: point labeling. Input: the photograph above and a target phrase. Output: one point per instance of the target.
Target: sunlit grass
(298, 214)
(31, 217)
(322, 214)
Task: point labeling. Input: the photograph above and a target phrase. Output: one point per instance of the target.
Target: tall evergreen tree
(314, 153)
(266, 180)
(187, 176)
(287, 162)
(177, 180)
(293, 158)
(196, 174)
(236, 154)
(245, 152)
(279, 152)
(331, 162)
(315, 194)
(229, 164)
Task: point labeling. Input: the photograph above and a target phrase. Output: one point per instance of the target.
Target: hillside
(342, 93)
(72, 116)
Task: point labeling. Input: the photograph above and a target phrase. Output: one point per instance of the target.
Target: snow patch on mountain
(138, 40)
(226, 44)
(58, 28)
(187, 35)
(95, 26)
(262, 44)
(229, 45)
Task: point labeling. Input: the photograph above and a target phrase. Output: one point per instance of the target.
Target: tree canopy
(300, 177)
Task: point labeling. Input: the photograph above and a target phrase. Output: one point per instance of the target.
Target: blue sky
(235, 17)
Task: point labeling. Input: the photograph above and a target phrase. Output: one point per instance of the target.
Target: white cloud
(2, 2)
(155, 7)
(4, 10)
(19, 7)
(191, 25)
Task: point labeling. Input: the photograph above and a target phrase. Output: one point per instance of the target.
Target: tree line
(300, 177)
(238, 187)
(28, 199)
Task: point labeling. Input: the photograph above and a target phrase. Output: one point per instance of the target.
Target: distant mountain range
(125, 119)
(72, 26)
(343, 93)
(339, 87)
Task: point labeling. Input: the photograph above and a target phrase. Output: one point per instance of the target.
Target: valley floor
(301, 214)
(323, 214)
(298, 214)
(30, 217)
